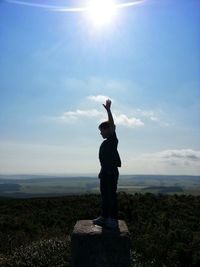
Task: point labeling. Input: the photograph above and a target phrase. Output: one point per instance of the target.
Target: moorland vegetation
(165, 229)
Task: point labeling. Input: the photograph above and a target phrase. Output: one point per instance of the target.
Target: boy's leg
(109, 194)
(113, 199)
(104, 189)
(113, 203)
(112, 221)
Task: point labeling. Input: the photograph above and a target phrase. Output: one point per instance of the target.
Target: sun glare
(101, 12)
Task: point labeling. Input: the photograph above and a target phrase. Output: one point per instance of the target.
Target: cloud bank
(182, 154)
(176, 156)
(171, 161)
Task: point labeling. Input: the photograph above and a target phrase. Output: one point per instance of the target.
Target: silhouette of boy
(110, 161)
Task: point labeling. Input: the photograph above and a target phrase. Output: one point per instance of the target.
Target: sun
(101, 12)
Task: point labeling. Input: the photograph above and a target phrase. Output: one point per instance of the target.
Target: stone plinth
(94, 246)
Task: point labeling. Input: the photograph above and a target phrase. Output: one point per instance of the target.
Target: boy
(110, 161)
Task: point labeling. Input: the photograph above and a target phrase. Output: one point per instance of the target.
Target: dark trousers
(108, 189)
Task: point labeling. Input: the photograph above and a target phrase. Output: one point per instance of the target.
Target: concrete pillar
(94, 246)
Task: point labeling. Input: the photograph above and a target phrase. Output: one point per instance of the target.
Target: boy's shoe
(99, 221)
(111, 223)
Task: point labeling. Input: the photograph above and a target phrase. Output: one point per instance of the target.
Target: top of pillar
(86, 227)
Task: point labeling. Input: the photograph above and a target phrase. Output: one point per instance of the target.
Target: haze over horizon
(57, 69)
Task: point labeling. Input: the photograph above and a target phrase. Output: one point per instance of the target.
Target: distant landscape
(27, 186)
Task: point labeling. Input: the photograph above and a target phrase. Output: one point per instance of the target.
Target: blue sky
(57, 68)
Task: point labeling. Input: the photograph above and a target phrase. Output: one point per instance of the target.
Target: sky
(60, 62)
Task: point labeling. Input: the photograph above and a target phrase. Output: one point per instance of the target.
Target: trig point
(94, 246)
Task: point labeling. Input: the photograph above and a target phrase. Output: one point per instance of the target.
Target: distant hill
(25, 186)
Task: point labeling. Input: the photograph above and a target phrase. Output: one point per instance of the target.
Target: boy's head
(105, 129)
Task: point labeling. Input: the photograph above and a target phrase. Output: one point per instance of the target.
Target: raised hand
(107, 106)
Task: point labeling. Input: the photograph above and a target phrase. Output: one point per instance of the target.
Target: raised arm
(107, 106)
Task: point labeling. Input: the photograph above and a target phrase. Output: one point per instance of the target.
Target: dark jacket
(108, 154)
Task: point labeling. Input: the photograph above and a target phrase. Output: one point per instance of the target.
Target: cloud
(99, 98)
(123, 115)
(175, 157)
(182, 154)
(120, 119)
(100, 114)
(124, 120)
(171, 161)
(99, 90)
(90, 113)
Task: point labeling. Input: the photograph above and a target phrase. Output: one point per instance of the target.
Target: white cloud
(90, 113)
(99, 98)
(124, 120)
(120, 119)
(123, 115)
(99, 90)
(100, 114)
